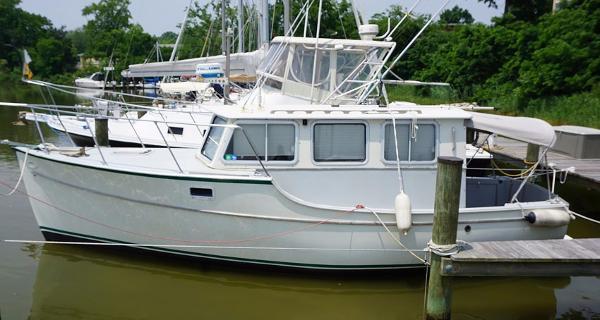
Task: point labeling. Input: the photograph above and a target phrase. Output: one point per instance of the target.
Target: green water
(70, 282)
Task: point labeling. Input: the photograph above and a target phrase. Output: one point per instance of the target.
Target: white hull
(248, 219)
(133, 132)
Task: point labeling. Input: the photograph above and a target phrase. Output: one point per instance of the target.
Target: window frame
(436, 130)
(265, 161)
(207, 135)
(339, 163)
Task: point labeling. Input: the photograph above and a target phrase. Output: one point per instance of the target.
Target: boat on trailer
(302, 172)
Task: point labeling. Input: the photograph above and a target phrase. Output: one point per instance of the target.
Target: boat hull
(243, 220)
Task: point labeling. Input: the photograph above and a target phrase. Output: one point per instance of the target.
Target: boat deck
(150, 160)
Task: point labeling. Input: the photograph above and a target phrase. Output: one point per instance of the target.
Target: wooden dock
(573, 257)
(588, 169)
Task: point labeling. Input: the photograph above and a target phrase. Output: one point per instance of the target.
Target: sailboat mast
(176, 46)
(264, 22)
(286, 16)
(240, 19)
(223, 26)
(225, 47)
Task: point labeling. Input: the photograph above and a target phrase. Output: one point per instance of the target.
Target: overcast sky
(158, 16)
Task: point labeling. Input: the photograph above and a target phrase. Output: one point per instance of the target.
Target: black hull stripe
(85, 237)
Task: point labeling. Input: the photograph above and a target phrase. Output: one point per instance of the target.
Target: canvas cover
(524, 129)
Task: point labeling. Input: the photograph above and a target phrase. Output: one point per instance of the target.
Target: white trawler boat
(303, 172)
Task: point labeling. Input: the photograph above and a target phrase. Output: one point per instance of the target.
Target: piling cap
(449, 160)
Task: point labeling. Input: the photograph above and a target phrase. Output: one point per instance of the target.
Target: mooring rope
(394, 237)
(584, 217)
(14, 189)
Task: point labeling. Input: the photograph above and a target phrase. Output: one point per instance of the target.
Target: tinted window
(422, 146)
(339, 142)
(277, 141)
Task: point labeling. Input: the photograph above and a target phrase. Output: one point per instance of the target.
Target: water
(70, 282)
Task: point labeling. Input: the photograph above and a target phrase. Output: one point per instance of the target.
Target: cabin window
(334, 142)
(175, 130)
(97, 77)
(421, 147)
(212, 140)
(276, 141)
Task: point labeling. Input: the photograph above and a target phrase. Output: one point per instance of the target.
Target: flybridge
(327, 71)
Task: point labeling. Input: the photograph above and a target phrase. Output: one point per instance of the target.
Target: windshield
(214, 137)
(334, 69)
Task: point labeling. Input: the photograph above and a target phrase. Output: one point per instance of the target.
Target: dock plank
(585, 168)
(526, 258)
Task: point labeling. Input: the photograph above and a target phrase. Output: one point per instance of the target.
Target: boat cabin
(350, 149)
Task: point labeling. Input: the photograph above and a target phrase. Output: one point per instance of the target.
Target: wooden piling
(445, 222)
(533, 153)
(101, 125)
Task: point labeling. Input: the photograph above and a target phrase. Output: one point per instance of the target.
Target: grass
(427, 95)
(582, 109)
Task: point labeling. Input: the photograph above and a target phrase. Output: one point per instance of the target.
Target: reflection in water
(85, 283)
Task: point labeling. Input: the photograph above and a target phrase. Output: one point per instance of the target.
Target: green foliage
(456, 15)
(107, 27)
(49, 48)
(528, 62)
(337, 20)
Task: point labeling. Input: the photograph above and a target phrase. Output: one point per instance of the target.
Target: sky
(159, 16)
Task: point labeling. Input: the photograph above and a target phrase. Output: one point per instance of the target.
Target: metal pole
(255, 153)
(264, 23)
(356, 14)
(223, 27)
(174, 52)
(37, 125)
(240, 18)
(286, 16)
(445, 223)
(227, 66)
(168, 147)
(133, 127)
(314, 71)
(95, 141)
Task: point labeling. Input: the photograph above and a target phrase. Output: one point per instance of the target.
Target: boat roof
(524, 129)
(333, 42)
(342, 112)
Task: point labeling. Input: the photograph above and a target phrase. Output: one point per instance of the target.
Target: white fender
(403, 212)
(549, 217)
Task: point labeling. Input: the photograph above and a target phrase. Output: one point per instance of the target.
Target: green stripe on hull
(242, 260)
(152, 175)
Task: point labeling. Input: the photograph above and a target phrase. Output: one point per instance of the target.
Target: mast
(264, 22)
(356, 14)
(286, 16)
(240, 19)
(223, 26)
(179, 36)
(225, 46)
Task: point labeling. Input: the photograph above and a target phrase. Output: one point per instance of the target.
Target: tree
(107, 27)
(108, 15)
(51, 52)
(523, 10)
(456, 15)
